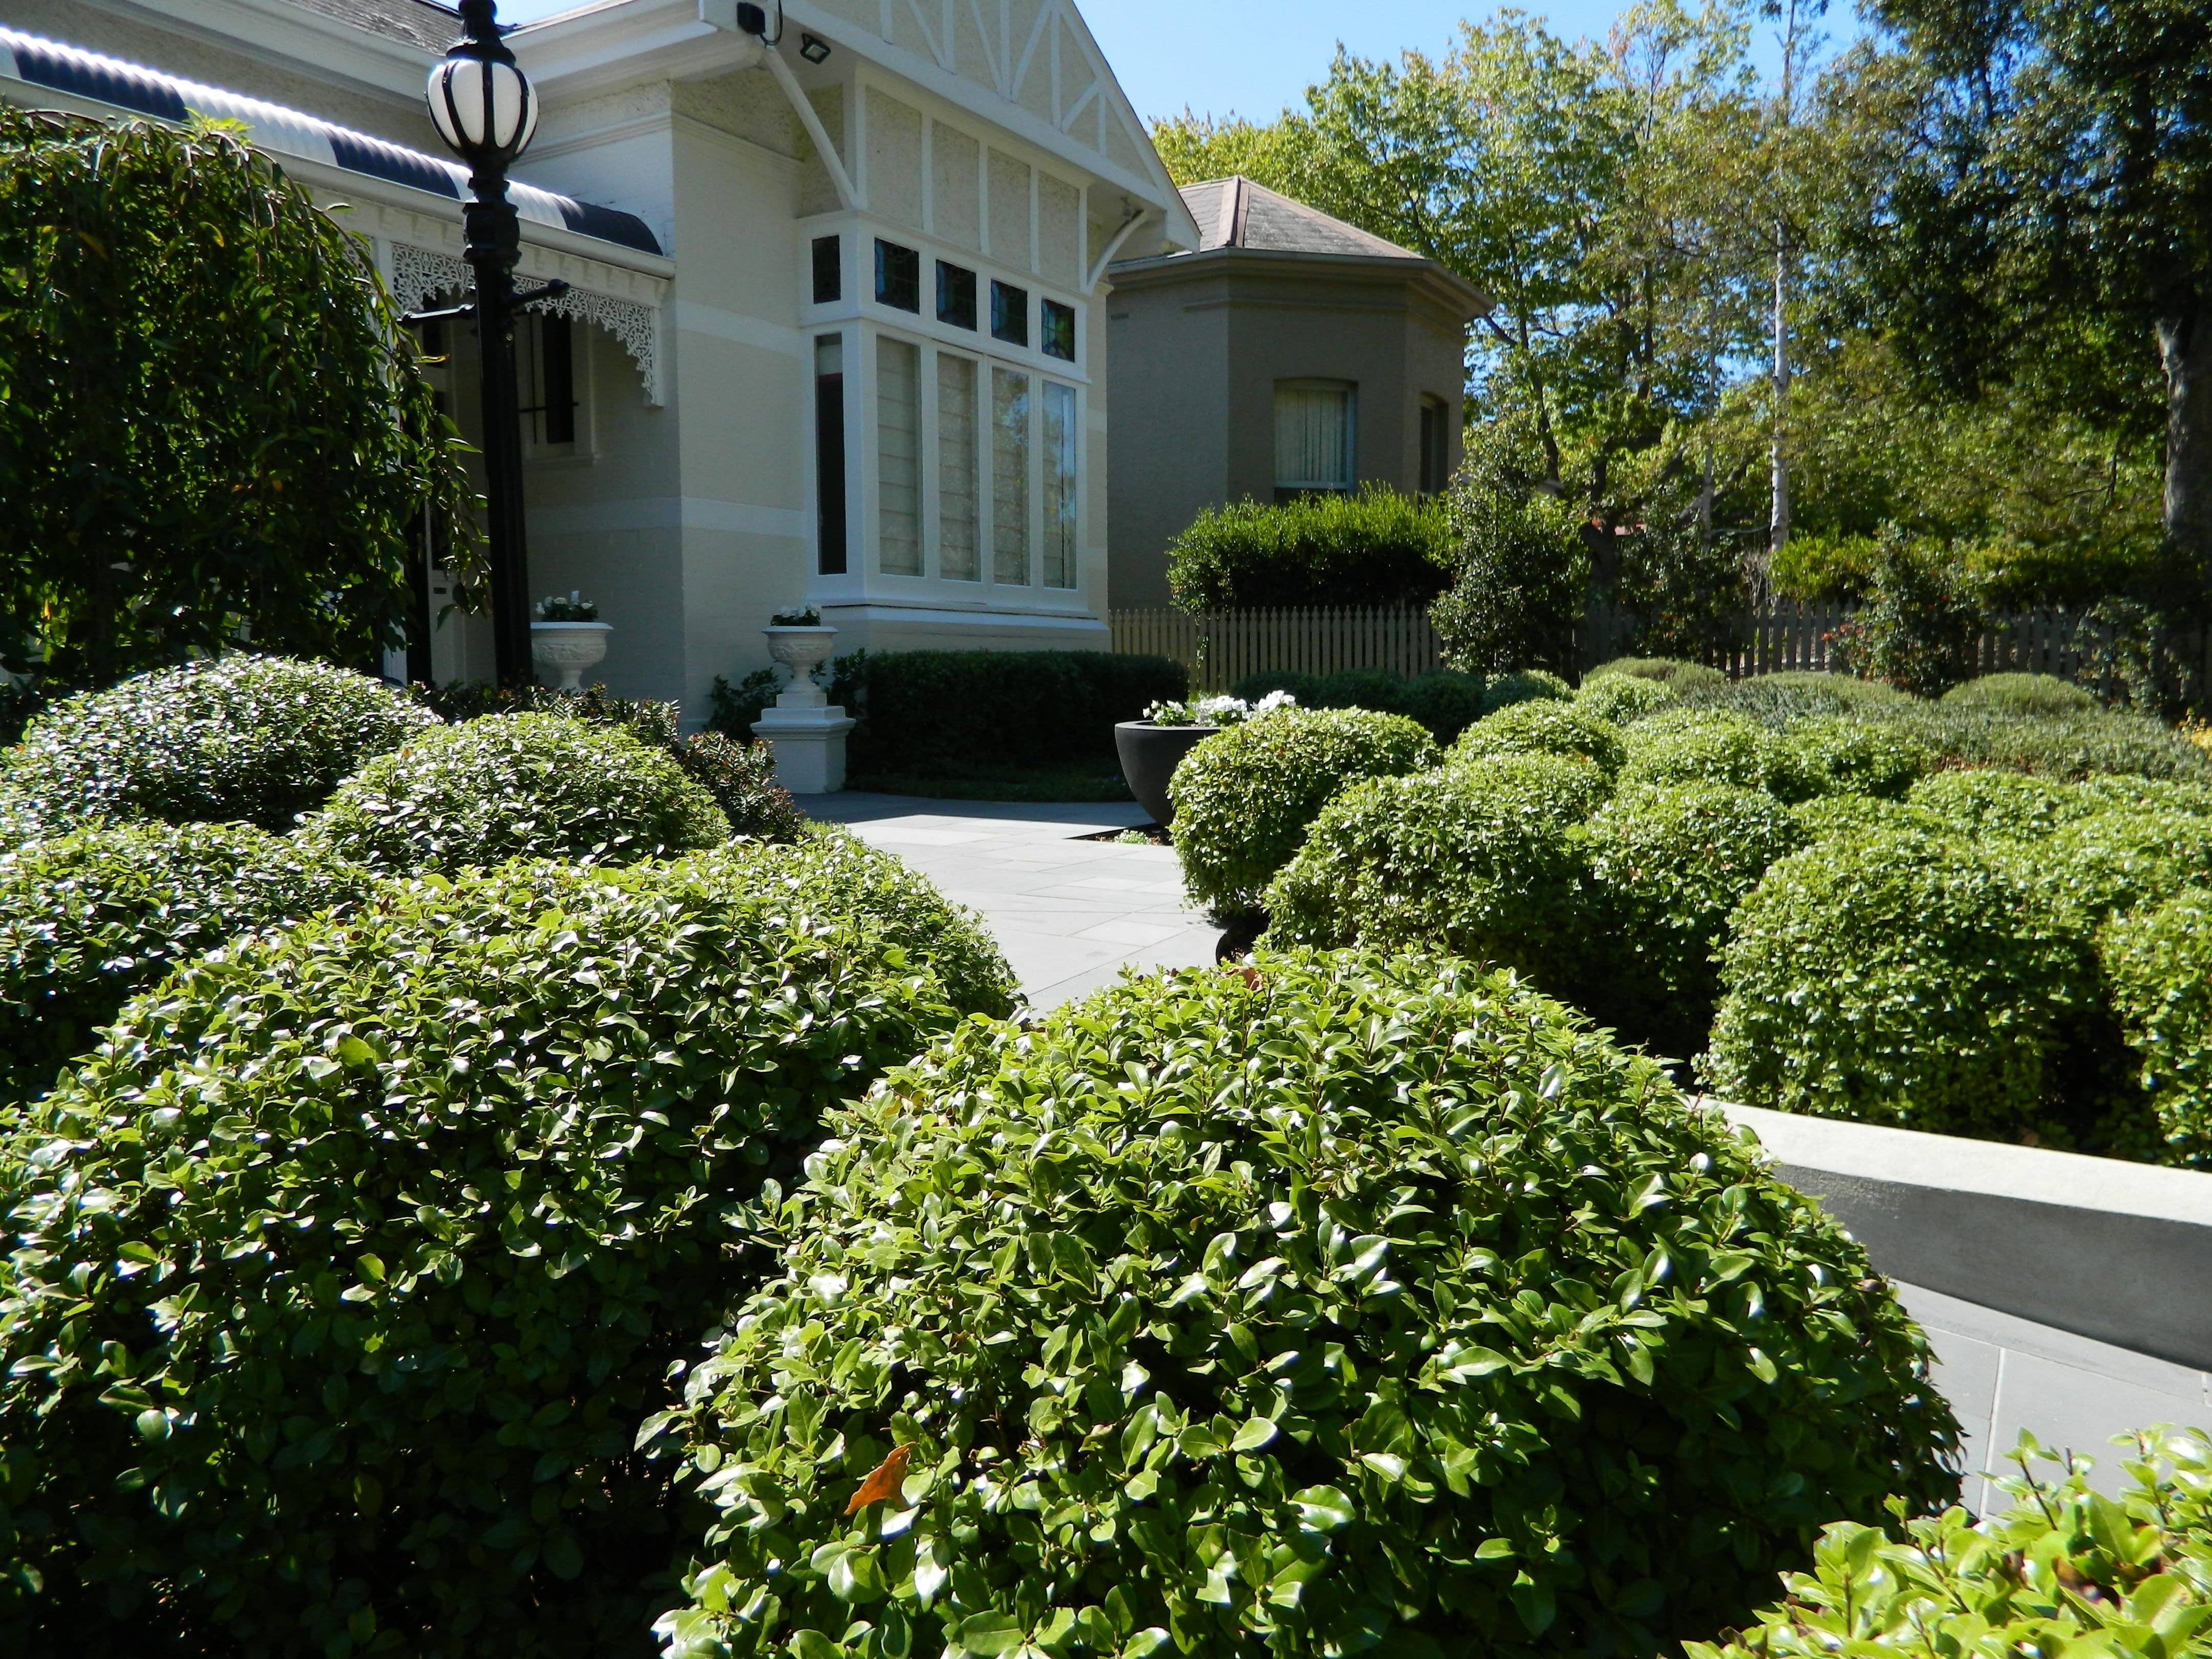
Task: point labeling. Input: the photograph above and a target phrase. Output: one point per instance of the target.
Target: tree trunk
(1777, 525)
(2186, 344)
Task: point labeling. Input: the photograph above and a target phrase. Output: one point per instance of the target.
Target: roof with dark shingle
(1235, 212)
(417, 23)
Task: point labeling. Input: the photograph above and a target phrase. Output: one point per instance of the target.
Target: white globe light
(484, 109)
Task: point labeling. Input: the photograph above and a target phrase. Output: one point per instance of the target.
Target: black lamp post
(486, 111)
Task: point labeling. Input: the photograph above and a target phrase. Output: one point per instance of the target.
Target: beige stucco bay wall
(1196, 344)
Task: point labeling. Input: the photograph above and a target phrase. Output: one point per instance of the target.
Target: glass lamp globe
(485, 109)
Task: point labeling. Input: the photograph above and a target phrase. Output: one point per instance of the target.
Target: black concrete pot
(1149, 756)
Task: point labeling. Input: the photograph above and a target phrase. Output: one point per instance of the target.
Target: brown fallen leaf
(883, 1482)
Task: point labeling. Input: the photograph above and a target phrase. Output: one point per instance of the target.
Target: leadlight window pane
(1009, 477)
(898, 456)
(957, 466)
(1060, 492)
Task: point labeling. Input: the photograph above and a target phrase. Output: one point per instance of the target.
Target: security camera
(745, 17)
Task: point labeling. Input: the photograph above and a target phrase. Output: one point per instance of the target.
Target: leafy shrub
(1781, 701)
(2097, 867)
(1680, 746)
(1520, 572)
(89, 919)
(1837, 754)
(738, 772)
(2021, 694)
(1243, 797)
(1622, 698)
(2063, 1570)
(1827, 816)
(1676, 675)
(1446, 703)
(2159, 965)
(1025, 1308)
(1544, 727)
(260, 739)
(2117, 790)
(1524, 685)
(516, 785)
(1482, 859)
(1899, 978)
(1668, 866)
(1918, 630)
(943, 712)
(1982, 803)
(1375, 547)
(417, 1206)
(2068, 746)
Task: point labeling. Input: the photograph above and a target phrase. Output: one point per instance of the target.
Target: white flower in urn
(568, 637)
(1218, 710)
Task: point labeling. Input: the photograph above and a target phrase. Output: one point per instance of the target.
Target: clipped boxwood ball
(2113, 790)
(2005, 804)
(1676, 674)
(1545, 727)
(1827, 816)
(1899, 978)
(2099, 868)
(830, 872)
(1622, 698)
(1524, 685)
(87, 919)
(1482, 858)
(1348, 1305)
(258, 739)
(1837, 755)
(2159, 964)
(1667, 865)
(1244, 797)
(517, 785)
(400, 1220)
(2023, 694)
(1692, 745)
(1444, 701)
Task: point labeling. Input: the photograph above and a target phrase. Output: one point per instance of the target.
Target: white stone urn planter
(567, 648)
(803, 728)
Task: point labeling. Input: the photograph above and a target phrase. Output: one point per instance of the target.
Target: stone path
(1069, 913)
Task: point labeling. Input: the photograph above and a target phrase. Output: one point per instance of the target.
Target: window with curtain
(956, 469)
(898, 456)
(1009, 477)
(1059, 492)
(1313, 436)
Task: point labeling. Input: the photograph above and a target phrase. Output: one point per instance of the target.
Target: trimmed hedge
(1836, 754)
(1375, 547)
(1827, 816)
(260, 739)
(1341, 1304)
(1444, 701)
(1901, 978)
(2066, 746)
(1243, 797)
(1523, 685)
(949, 711)
(1672, 673)
(2159, 964)
(1544, 727)
(87, 919)
(404, 1217)
(1689, 745)
(1482, 859)
(1622, 698)
(2065, 1570)
(516, 785)
(1666, 867)
(2023, 694)
(2003, 804)
(2100, 866)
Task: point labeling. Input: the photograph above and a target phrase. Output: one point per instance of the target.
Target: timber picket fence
(1221, 648)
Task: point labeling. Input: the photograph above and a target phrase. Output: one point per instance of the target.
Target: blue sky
(1253, 57)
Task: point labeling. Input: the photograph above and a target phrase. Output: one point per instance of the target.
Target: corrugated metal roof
(1235, 212)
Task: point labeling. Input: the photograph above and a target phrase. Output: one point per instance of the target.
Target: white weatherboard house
(836, 334)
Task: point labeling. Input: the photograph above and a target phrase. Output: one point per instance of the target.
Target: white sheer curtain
(1059, 492)
(898, 454)
(956, 469)
(1313, 435)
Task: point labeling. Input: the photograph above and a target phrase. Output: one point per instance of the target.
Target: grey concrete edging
(2118, 1252)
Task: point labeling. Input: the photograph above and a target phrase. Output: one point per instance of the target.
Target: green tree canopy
(211, 423)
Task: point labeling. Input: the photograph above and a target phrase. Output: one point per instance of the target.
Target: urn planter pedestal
(567, 648)
(803, 728)
(1149, 756)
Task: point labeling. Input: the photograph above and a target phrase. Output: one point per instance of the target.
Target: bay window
(1009, 477)
(958, 467)
(1313, 437)
(898, 454)
(1060, 496)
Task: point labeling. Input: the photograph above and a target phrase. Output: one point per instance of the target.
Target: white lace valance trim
(420, 274)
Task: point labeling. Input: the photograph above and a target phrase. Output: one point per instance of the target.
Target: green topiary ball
(2098, 867)
(1344, 1305)
(2114, 791)
(2023, 694)
(1482, 859)
(1900, 978)
(2159, 964)
(1837, 755)
(1444, 701)
(2004, 804)
(256, 739)
(517, 785)
(1673, 672)
(1827, 816)
(1623, 699)
(87, 919)
(1687, 746)
(402, 1219)
(1524, 685)
(1544, 727)
(1244, 797)
(1668, 866)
